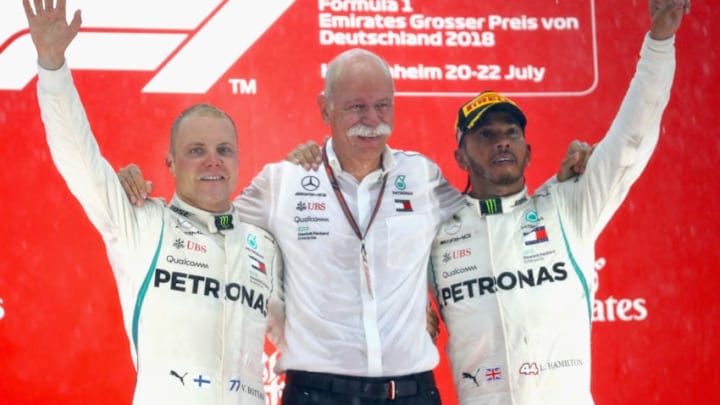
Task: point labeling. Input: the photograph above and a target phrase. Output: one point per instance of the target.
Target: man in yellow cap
(513, 273)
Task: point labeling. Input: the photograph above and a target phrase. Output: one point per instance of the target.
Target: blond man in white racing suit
(194, 283)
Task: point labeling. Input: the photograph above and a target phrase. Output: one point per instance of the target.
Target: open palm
(50, 31)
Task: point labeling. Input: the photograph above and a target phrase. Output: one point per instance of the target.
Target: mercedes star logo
(310, 183)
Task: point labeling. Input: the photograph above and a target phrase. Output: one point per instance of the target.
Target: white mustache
(367, 131)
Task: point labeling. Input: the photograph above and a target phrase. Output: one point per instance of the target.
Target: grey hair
(340, 62)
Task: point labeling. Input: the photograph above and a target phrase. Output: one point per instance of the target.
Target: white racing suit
(515, 288)
(194, 298)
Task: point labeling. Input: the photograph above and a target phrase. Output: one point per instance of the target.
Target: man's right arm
(76, 154)
(72, 145)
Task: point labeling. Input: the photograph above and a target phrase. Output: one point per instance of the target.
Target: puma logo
(472, 377)
(174, 374)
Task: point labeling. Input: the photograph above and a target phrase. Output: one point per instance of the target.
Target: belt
(363, 387)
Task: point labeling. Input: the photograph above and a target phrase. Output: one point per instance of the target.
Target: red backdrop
(566, 63)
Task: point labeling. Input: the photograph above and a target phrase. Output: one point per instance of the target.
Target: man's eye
(356, 108)
(196, 151)
(383, 107)
(226, 151)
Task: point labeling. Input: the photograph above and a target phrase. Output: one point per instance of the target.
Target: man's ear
(169, 162)
(324, 105)
(461, 159)
(529, 149)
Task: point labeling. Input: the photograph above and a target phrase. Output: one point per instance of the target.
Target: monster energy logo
(223, 222)
(490, 206)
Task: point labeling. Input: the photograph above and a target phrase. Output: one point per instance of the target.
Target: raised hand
(50, 31)
(665, 16)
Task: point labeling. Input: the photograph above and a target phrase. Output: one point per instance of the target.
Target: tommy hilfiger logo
(535, 236)
(403, 206)
(258, 265)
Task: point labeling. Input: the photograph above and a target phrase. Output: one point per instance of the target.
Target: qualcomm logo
(189, 44)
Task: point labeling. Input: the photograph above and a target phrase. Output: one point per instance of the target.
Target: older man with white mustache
(355, 238)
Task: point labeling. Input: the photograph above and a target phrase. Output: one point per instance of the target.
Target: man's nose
(502, 142)
(214, 159)
(373, 115)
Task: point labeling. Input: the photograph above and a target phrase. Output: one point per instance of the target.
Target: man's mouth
(504, 159)
(212, 178)
(368, 137)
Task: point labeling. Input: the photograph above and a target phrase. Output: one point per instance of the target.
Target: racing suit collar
(498, 205)
(204, 220)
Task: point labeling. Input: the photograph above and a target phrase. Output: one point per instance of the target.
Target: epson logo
(189, 45)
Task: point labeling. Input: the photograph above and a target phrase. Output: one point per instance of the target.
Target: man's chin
(508, 180)
(214, 197)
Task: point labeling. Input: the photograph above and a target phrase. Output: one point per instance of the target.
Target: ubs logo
(310, 183)
(457, 254)
(189, 245)
(312, 206)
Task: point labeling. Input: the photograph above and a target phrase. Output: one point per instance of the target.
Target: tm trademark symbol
(243, 86)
